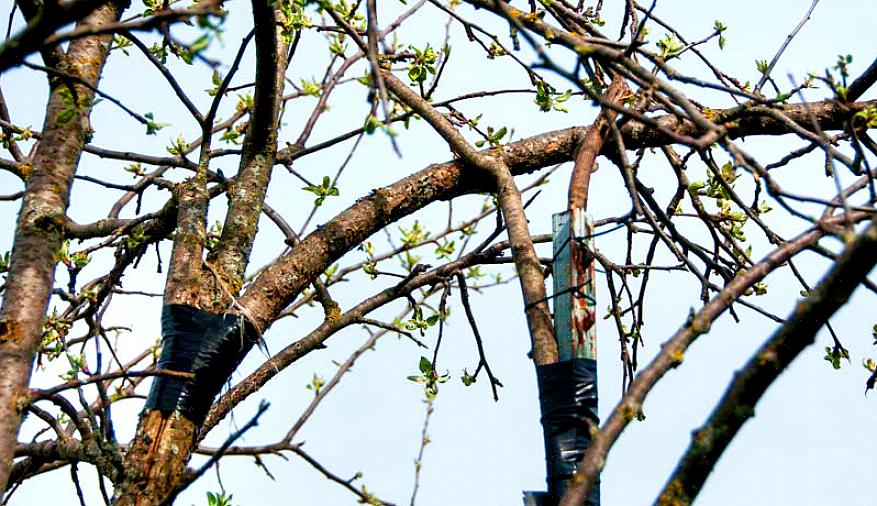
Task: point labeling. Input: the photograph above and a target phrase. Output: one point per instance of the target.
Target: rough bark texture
(157, 460)
(40, 229)
(530, 274)
(41, 25)
(158, 456)
(156, 463)
(247, 194)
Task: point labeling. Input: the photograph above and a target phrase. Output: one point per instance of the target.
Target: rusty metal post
(568, 388)
(574, 287)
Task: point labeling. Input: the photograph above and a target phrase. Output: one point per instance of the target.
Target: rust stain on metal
(574, 287)
(583, 314)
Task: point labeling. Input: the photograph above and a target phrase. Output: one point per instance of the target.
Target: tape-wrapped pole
(568, 388)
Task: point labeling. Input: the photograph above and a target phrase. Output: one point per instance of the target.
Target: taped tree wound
(208, 345)
(568, 398)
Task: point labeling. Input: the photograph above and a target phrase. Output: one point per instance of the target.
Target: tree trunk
(40, 230)
(156, 462)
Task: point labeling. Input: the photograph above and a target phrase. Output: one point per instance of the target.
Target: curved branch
(738, 403)
(283, 281)
(255, 380)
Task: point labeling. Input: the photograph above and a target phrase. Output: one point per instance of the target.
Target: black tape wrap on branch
(568, 398)
(208, 345)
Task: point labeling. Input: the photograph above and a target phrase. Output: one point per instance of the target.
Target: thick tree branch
(282, 359)
(41, 222)
(590, 148)
(284, 279)
(247, 193)
(862, 83)
(738, 403)
(161, 450)
(52, 16)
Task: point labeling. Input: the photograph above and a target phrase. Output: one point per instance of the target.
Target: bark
(247, 193)
(40, 229)
(158, 457)
(285, 279)
(281, 282)
(156, 464)
(530, 274)
(41, 25)
(590, 148)
(527, 265)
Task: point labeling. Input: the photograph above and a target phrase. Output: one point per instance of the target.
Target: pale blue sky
(809, 443)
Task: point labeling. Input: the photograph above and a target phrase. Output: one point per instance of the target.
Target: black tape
(568, 398)
(210, 346)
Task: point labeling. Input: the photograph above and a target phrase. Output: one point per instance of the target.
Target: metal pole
(568, 388)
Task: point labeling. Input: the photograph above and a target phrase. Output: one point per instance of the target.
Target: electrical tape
(208, 345)
(568, 399)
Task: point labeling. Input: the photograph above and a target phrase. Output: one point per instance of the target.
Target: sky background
(808, 444)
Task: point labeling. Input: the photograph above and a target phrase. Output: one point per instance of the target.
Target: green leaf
(310, 88)
(670, 47)
(467, 378)
(425, 365)
(372, 124)
(316, 384)
(153, 126)
(326, 189)
(762, 66)
(834, 355)
(499, 134)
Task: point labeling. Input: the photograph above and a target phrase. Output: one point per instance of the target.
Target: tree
(709, 219)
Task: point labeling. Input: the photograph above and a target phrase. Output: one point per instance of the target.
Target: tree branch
(284, 279)
(772, 358)
(247, 193)
(54, 15)
(39, 232)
